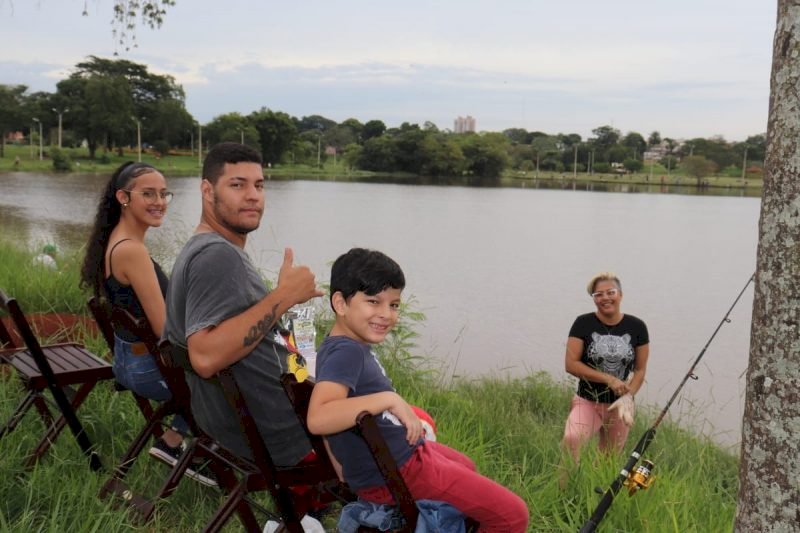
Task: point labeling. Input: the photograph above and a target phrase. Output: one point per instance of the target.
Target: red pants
(587, 418)
(436, 472)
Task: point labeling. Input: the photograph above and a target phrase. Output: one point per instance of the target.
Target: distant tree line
(107, 103)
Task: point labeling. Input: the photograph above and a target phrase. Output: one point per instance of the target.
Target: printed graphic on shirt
(386, 415)
(611, 354)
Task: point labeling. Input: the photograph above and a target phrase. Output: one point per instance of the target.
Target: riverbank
(511, 427)
(188, 164)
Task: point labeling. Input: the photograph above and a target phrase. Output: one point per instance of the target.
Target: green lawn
(510, 426)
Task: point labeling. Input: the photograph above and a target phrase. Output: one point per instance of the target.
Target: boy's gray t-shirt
(213, 280)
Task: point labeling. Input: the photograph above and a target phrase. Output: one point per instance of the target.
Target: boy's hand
(297, 280)
(409, 419)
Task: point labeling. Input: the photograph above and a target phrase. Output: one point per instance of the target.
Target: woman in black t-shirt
(607, 351)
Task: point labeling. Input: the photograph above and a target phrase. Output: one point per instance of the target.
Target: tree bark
(769, 472)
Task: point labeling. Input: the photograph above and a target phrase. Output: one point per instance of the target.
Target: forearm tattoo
(258, 330)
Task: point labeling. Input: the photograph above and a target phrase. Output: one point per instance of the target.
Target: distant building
(15, 136)
(464, 124)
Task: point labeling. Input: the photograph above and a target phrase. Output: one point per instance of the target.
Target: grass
(37, 288)
(511, 427)
(673, 179)
(175, 164)
(186, 164)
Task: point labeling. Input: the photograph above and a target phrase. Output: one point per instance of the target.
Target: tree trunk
(769, 473)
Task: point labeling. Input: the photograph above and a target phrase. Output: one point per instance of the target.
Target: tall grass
(511, 428)
(37, 288)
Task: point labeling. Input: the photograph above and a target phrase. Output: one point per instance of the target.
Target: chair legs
(58, 426)
(33, 397)
(116, 485)
(54, 427)
(235, 502)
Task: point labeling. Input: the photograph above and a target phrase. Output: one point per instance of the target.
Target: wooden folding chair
(220, 461)
(238, 476)
(368, 429)
(101, 311)
(108, 317)
(68, 370)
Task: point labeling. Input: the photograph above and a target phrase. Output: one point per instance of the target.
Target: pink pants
(586, 418)
(437, 472)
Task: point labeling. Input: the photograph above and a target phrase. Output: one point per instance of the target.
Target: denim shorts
(138, 372)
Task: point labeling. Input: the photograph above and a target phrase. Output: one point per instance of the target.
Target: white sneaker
(271, 526)
(309, 523)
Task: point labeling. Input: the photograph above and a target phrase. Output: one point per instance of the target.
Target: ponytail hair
(108, 214)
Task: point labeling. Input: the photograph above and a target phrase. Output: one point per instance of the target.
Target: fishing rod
(641, 477)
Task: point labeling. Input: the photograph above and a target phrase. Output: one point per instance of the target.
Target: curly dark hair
(93, 271)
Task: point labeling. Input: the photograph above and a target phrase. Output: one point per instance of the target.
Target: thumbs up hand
(297, 281)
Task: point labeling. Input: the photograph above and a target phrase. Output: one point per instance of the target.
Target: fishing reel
(641, 478)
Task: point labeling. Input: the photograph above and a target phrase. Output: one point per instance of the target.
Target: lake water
(500, 272)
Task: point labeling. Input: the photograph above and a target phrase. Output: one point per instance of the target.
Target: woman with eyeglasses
(118, 266)
(607, 351)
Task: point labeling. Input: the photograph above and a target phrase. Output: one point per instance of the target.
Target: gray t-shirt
(213, 280)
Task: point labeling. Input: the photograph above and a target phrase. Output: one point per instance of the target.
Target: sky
(684, 68)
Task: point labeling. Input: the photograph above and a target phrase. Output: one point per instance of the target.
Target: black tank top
(123, 296)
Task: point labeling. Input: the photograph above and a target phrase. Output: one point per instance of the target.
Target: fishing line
(640, 478)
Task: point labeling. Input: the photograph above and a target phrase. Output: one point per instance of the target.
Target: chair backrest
(368, 429)
(109, 317)
(6, 340)
(299, 394)
(11, 306)
(101, 311)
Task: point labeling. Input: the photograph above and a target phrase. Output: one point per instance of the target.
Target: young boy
(365, 295)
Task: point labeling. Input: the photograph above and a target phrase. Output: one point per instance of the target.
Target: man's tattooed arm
(258, 330)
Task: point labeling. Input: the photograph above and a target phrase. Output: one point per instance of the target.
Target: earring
(125, 204)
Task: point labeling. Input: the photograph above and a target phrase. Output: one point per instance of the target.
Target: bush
(61, 160)
(105, 159)
(161, 148)
(601, 168)
(633, 165)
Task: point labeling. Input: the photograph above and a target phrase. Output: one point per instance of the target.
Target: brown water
(500, 272)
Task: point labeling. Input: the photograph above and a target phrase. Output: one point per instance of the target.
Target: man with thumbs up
(219, 308)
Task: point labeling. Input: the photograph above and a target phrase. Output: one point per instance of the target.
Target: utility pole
(66, 110)
(744, 164)
(575, 164)
(241, 130)
(138, 137)
(319, 148)
(41, 148)
(199, 145)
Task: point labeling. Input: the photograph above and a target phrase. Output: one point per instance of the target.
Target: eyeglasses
(610, 293)
(152, 197)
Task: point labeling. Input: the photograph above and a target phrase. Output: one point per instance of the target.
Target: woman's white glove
(625, 408)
